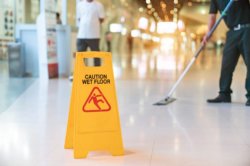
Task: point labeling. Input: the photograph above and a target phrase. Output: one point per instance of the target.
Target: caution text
(96, 79)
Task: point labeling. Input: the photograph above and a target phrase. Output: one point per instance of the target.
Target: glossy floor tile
(11, 87)
(187, 132)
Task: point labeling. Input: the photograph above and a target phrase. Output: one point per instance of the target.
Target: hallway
(187, 132)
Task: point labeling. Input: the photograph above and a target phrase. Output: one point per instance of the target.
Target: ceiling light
(148, 1)
(149, 6)
(141, 9)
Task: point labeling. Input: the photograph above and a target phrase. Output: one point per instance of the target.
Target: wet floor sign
(93, 122)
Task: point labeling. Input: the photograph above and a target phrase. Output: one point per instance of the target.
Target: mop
(169, 99)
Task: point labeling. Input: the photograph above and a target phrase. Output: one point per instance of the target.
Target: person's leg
(81, 45)
(94, 46)
(109, 46)
(229, 62)
(245, 49)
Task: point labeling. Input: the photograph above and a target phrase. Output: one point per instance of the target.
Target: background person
(108, 37)
(90, 15)
(58, 18)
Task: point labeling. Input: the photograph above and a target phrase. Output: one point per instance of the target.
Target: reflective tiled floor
(10, 87)
(187, 132)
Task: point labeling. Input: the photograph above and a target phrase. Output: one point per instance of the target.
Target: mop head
(165, 101)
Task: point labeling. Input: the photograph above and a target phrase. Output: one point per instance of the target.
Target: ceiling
(167, 10)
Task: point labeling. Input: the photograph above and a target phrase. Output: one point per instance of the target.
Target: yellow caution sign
(93, 122)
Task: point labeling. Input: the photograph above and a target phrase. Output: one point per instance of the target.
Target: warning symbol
(96, 102)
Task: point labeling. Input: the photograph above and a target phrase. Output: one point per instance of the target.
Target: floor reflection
(11, 87)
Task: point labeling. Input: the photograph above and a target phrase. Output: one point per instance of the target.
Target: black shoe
(248, 102)
(221, 99)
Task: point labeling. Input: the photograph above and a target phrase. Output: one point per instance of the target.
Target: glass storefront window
(7, 23)
(14, 12)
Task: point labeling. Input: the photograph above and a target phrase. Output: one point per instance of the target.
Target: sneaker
(221, 99)
(71, 78)
(248, 102)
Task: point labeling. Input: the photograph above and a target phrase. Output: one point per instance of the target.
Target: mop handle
(200, 49)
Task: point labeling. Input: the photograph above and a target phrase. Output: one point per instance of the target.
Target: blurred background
(146, 36)
(150, 23)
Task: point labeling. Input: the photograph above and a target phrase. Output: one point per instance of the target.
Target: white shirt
(89, 14)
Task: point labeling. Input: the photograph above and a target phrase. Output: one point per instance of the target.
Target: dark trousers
(237, 43)
(93, 44)
(108, 46)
